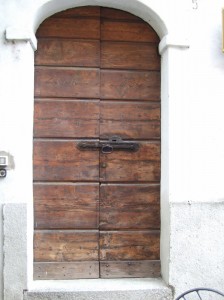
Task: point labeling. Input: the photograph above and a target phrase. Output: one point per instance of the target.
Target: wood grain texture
(125, 206)
(67, 52)
(85, 11)
(65, 245)
(66, 271)
(129, 245)
(121, 166)
(115, 55)
(68, 206)
(63, 161)
(134, 111)
(97, 74)
(127, 31)
(131, 120)
(71, 83)
(130, 85)
(73, 119)
(117, 14)
(70, 28)
(128, 269)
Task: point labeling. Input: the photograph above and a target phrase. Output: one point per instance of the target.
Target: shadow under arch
(136, 7)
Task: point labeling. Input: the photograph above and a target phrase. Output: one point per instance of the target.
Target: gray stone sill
(102, 289)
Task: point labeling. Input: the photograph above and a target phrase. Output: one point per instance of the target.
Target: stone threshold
(99, 289)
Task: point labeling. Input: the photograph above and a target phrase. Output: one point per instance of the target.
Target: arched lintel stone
(145, 9)
(147, 12)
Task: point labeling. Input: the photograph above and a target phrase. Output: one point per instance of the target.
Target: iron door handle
(115, 143)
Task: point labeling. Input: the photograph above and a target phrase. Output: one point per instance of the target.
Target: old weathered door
(97, 75)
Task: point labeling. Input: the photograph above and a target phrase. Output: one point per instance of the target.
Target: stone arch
(148, 13)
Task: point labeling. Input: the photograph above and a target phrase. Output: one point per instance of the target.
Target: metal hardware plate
(115, 143)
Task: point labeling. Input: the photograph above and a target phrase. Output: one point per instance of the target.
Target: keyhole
(107, 149)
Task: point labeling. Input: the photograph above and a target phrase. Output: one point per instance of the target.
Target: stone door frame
(172, 48)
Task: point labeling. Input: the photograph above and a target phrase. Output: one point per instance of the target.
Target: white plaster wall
(197, 206)
(16, 92)
(193, 126)
(197, 203)
(206, 122)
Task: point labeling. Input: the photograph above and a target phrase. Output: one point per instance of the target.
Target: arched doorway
(96, 214)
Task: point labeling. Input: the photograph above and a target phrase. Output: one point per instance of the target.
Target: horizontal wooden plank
(78, 28)
(127, 31)
(85, 11)
(63, 161)
(130, 85)
(67, 206)
(65, 245)
(66, 271)
(125, 206)
(133, 111)
(130, 129)
(73, 83)
(119, 269)
(115, 55)
(121, 166)
(124, 195)
(135, 120)
(116, 14)
(75, 119)
(67, 52)
(129, 245)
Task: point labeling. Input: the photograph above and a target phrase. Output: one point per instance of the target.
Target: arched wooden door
(97, 81)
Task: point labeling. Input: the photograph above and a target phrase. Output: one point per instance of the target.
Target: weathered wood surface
(66, 271)
(64, 82)
(134, 111)
(129, 245)
(67, 52)
(125, 206)
(127, 31)
(119, 269)
(85, 11)
(130, 85)
(130, 120)
(65, 245)
(115, 55)
(63, 161)
(142, 165)
(66, 118)
(77, 28)
(117, 14)
(68, 206)
(87, 55)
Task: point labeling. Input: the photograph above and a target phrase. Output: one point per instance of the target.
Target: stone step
(111, 289)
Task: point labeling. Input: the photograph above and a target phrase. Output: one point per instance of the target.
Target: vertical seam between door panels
(99, 149)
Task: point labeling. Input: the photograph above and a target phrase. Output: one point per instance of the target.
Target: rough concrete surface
(197, 242)
(15, 250)
(102, 289)
(109, 295)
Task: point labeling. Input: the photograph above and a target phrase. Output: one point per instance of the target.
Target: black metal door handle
(113, 144)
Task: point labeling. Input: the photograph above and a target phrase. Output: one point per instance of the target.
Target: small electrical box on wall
(223, 30)
(3, 161)
(3, 165)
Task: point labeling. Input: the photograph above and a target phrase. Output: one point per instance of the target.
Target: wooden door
(97, 74)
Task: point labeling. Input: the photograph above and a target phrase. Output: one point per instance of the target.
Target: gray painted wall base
(15, 250)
